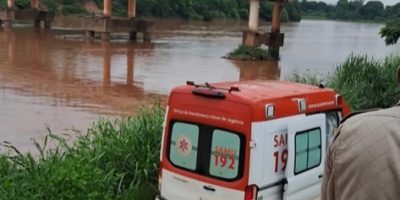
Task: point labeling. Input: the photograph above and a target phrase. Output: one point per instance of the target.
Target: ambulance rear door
(306, 155)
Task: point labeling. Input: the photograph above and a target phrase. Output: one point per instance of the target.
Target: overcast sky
(386, 2)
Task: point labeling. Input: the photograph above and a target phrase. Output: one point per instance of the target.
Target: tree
(294, 11)
(342, 9)
(372, 9)
(266, 10)
(392, 12)
(391, 32)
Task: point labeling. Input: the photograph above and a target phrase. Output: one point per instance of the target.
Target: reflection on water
(49, 82)
(65, 83)
(251, 70)
(40, 66)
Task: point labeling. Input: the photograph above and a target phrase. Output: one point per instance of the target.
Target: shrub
(366, 82)
(73, 9)
(363, 81)
(307, 78)
(51, 5)
(244, 52)
(22, 4)
(3, 3)
(284, 15)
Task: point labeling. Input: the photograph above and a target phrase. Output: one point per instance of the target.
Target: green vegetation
(211, 9)
(307, 78)
(114, 160)
(355, 10)
(391, 31)
(364, 82)
(186, 9)
(244, 52)
(229, 9)
(18, 4)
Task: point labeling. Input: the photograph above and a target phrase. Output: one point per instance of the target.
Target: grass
(364, 82)
(113, 160)
(307, 78)
(251, 53)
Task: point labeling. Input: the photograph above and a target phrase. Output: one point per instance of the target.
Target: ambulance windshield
(206, 150)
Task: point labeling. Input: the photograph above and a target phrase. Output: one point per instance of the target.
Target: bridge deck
(105, 26)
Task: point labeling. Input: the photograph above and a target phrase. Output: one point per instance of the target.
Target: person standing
(363, 162)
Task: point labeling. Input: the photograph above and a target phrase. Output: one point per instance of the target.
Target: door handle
(209, 188)
(320, 176)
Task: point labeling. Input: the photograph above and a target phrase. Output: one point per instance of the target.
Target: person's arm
(327, 187)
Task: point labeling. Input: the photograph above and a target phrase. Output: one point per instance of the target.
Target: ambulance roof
(284, 95)
(260, 90)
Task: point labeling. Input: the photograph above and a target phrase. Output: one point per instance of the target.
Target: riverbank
(323, 17)
(112, 160)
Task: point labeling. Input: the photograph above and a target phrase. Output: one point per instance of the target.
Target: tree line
(186, 9)
(230, 9)
(205, 9)
(214, 9)
(351, 10)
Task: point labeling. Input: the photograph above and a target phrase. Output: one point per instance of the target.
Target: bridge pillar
(35, 4)
(107, 8)
(250, 36)
(254, 15)
(133, 35)
(9, 13)
(10, 4)
(131, 9)
(106, 36)
(276, 26)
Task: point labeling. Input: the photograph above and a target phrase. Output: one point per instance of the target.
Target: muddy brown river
(55, 79)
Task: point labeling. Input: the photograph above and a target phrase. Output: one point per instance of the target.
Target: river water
(54, 79)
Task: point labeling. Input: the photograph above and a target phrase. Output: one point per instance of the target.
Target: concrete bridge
(106, 24)
(10, 14)
(101, 25)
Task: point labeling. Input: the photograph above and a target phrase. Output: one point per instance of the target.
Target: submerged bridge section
(103, 25)
(274, 39)
(106, 24)
(10, 14)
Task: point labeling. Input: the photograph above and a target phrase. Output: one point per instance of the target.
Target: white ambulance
(251, 140)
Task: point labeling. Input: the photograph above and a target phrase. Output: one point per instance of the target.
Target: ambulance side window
(183, 147)
(307, 150)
